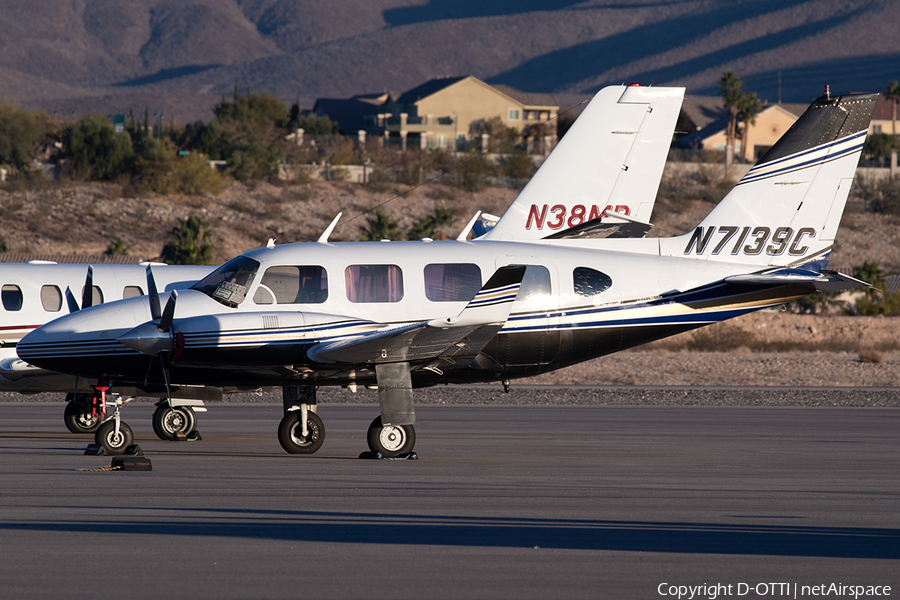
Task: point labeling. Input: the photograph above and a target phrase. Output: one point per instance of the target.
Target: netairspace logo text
(767, 590)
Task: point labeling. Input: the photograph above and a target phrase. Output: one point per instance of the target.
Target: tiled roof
(883, 109)
(526, 98)
(350, 113)
(10, 257)
(436, 85)
(426, 89)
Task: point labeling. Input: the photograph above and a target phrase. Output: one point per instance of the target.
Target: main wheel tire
(391, 441)
(79, 418)
(112, 443)
(290, 433)
(169, 421)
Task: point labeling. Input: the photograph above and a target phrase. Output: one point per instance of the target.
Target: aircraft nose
(45, 342)
(84, 339)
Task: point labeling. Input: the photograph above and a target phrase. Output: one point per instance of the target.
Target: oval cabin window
(51, 298)
(12, 297)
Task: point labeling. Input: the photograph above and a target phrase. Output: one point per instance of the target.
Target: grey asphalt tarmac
(504, 502)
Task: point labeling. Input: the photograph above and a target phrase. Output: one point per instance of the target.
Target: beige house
(446, 113)
(882, 119)
(769, 126)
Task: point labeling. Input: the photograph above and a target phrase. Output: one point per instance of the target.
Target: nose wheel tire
(290, 433)
(168, 422)
(79, 418)
(114, 444)
(391, 441)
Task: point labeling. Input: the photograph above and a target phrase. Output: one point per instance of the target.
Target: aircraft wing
(465, 334)
(824, 281)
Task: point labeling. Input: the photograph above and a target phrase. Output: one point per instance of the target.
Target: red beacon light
(634, 84)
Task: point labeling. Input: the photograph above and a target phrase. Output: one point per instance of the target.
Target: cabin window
(452, 282)
(132, 291)
(293, 285)
(590, 282)
(51, 298)
(374, 283)
(96, 295)
(535, 288)
(12, 297)
(229, 283)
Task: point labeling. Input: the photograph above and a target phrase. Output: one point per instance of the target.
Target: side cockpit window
(229, 283)
(292, 285)
(12, 297)
(590, 282)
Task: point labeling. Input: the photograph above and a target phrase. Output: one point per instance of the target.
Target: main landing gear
(82, 414)
(87, 413)
(176, 419)
(391, 435)
(301, 431)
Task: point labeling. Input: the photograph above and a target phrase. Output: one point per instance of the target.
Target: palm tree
(730, 90)
(892, 94)
(748, 107)
(380, 227)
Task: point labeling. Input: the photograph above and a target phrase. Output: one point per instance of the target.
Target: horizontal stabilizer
(463, 335)
(599, 229)
(824, 281)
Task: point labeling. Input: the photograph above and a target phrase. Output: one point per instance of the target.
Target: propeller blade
(165, 323)
(155, 308)
(71, 301)
(87, 294)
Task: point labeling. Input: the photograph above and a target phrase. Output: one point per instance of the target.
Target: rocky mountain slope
(181, 56)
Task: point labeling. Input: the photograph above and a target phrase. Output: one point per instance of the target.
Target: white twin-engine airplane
(401, 315)
(608, 165)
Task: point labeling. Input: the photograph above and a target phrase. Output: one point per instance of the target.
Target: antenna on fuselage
(323, 239)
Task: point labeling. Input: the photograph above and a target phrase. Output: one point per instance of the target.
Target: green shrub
(97, 151)
(191, 243)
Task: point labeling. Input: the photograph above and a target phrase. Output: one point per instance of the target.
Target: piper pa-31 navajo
(610, 161)
(401, 315)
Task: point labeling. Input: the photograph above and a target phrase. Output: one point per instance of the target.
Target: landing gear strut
(301, 431)
(395, 397)
(114, 435)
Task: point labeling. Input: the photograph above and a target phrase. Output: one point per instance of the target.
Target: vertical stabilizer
(611, 159)
(786, 210)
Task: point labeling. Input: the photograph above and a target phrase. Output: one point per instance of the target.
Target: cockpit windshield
(229, 283)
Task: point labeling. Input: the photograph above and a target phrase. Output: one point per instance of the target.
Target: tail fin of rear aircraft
(786, 210)
(611, 160)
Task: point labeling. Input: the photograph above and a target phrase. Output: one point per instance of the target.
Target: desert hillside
(179, 58)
